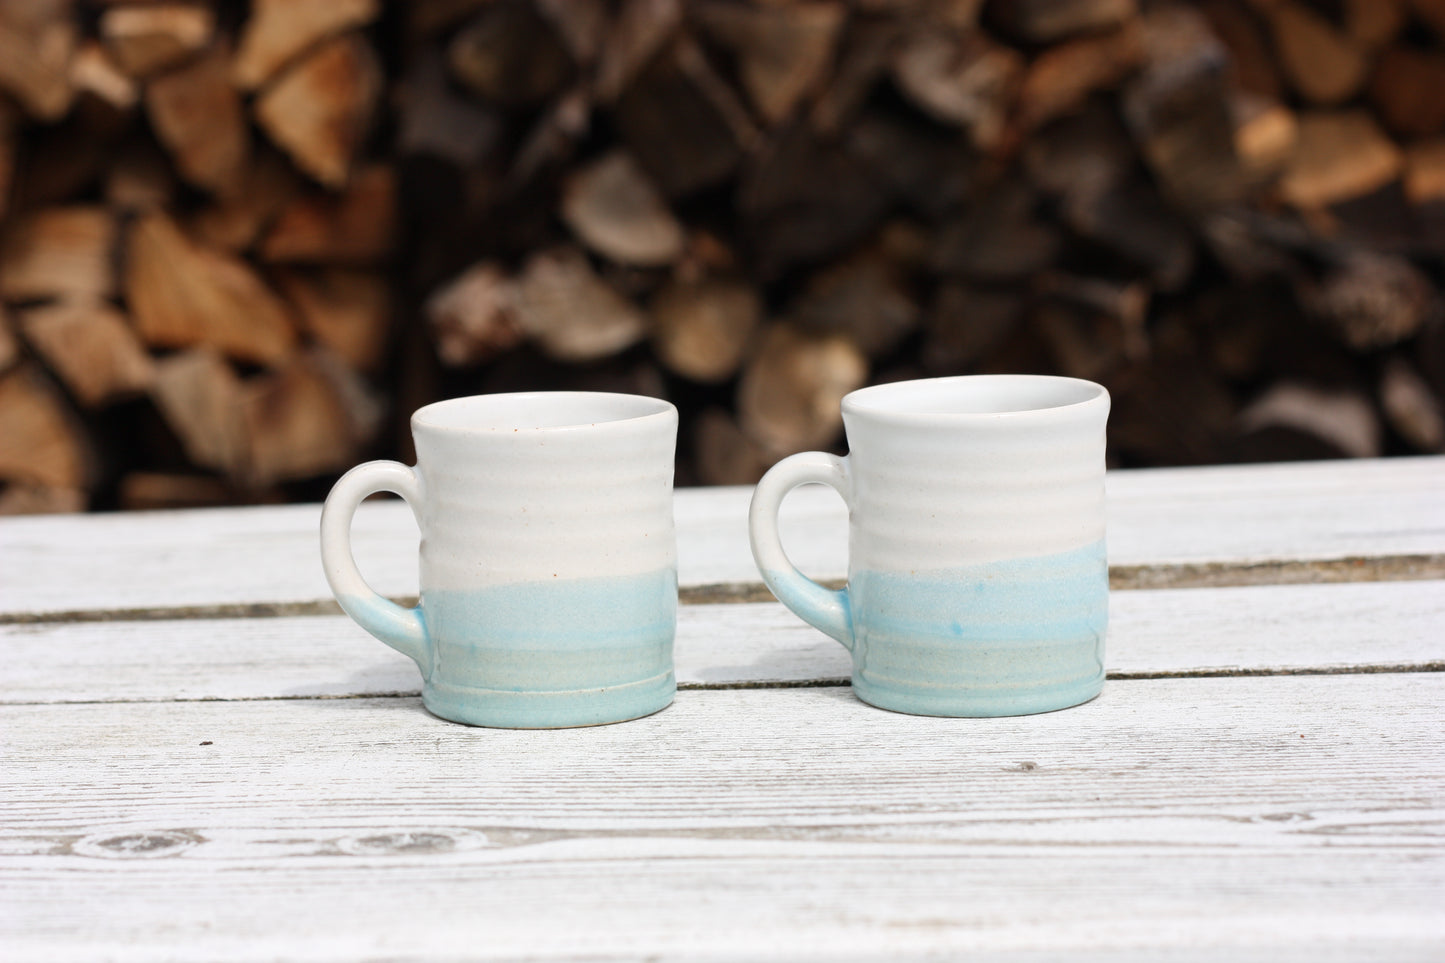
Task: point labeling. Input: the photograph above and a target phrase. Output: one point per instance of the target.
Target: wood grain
(1262, 818)
(1366, 627)
(1218, 523)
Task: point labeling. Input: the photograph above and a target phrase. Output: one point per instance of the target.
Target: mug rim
(429, 417)
(865, 401)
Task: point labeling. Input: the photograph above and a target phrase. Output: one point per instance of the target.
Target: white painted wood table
(202, 761)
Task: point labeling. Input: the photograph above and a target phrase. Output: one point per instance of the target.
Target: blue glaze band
(1010, 637)
(570, 652)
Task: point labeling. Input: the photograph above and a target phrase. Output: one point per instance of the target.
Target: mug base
(512, 709)
(976, 704)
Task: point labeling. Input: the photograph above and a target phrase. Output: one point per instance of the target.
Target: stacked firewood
(192, 251)
(242, 242)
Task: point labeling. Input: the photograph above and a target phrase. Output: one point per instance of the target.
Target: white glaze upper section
(544, 485)
(957, 471)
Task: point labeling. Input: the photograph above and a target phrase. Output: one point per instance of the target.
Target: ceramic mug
(977, 578)
(548, 557)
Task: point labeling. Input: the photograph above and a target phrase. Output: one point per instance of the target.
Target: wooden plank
(1173, 632)
(1261, 818)
(1218, 525)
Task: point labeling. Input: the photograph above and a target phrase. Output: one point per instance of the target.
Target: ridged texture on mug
(929, 497)
(537, 505)
(1000, 638)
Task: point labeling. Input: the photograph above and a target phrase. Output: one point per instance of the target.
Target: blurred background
(241, 242)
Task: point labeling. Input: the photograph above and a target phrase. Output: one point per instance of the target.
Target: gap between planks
(1397, 568)
(1381, 668)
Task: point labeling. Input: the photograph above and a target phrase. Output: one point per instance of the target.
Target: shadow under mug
(978, 583)
(548, 557)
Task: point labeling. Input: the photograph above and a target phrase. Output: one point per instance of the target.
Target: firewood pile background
(240, 242)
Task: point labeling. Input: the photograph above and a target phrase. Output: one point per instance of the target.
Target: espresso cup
(978, 583)
(548, 557)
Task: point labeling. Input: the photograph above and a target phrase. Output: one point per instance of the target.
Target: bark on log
(473, 316)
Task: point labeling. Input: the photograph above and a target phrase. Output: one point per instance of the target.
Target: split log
(683, 123)
(319, 110)
(199, 396)
(147, 39)
(964, 325)
(701, 327)
(782, 52)
(36, 42)
(41, 441)
(864, 297)
(1411, 409)
(510, 55)
(1059, 79)
(278, 30)
(61, 251)
(612, 207)
(142, 491)
(965, 80)
(639, 30)
(1042, 21)
(23, 499)
(348, 311)
(1371, 300)
(723, 454)
(791, 388)
(306, 419)
(357, 226)
(1408, 90)
(237, 222)
(1338, 156)
(1425, 172)
(1322, 62)
(181, 294)
(198, 116)
(571, 313)
(1299, 421)
(1265, 133)
(92, 349)
(473, 317)
(1178, 110)
(94, 72)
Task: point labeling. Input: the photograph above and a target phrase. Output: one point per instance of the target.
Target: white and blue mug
(548, 557)
(978, 583)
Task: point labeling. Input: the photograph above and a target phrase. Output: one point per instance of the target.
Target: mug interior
(974, 395)
(537, 410)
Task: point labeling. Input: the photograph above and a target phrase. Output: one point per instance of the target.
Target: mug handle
(820, 607)
(401, 628)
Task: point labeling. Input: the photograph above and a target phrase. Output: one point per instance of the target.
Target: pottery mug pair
(977, 577)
